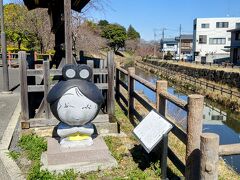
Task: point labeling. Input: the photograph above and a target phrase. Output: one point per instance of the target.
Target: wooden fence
(202, 150)
(196, 81)
(12, 58)
(48, 75)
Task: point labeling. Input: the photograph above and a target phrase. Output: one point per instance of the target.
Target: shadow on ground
(145, 160)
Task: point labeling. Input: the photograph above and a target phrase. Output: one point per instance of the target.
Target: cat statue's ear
(70, 71)
(85, 72)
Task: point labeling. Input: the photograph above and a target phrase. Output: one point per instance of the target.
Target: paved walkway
(14, 79)
(8, 103)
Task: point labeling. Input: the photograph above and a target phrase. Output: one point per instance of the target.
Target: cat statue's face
(75, 109)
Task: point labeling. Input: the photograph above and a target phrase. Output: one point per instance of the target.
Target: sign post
(150, 131)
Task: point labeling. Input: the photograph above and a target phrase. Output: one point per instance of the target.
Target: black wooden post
(117, 85)
(164, 154)
(131, 71)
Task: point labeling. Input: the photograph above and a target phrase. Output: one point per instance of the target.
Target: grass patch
(13, 154)
(32, 147)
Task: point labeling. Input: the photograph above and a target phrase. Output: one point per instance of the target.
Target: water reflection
(215, 120)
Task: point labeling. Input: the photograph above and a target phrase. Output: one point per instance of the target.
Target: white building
(210, 35)
(169, 45)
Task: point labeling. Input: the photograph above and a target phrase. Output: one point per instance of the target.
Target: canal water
(215, 120)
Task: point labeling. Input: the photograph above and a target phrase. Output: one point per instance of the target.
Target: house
(210, 36)
(186, 44)
(169, 45)
(235, 46)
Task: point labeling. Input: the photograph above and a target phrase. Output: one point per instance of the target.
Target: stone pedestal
(86, 159)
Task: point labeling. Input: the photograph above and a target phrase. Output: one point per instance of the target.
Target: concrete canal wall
(231, 79)
(181, 76)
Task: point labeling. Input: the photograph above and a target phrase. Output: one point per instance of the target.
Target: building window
(217, 117)
(194, 27)
(217, 40)
(205, 25)
(222, 24)
(202, 39)
(237, 25)
(237, 36)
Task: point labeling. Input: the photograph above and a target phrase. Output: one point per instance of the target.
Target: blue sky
(146, 15)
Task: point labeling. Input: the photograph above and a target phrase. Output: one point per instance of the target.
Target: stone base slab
(86, 159)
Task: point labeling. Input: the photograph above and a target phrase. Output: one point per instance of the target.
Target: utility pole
(180, 41)
(163, 29)
(155, 45)
(4, 53)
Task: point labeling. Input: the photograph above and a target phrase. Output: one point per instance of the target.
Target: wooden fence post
(35, 56)
(90, 63)
(161, 102)
(209, 156)
(110, 92)
(22, 58)
(68, 32)
(46, 76)
(194, 130)
(131, 71)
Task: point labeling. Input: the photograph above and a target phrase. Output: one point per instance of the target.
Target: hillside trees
(87, 38)
(132, 34)
(133, 39)
(40, 28)
(30, 29)
(116, 36)
(15, 24)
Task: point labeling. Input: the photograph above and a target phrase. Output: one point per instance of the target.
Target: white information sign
(151, 130)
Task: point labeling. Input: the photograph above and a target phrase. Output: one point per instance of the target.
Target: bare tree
(88, 39)
(145, 49)
(132, 45)
(39, 24)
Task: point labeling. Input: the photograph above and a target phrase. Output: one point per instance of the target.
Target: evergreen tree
(132, 33)
(115, 35)
(103, 23)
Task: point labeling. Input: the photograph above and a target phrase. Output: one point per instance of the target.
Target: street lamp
(4, 53)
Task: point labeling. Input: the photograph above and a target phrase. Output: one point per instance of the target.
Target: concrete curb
(10, 165)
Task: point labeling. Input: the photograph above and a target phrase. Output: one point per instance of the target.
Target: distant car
(188, 57)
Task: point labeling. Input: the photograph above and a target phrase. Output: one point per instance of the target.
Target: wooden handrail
(145, 82)
(122, 70)
(180, 103)
(229, 149)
